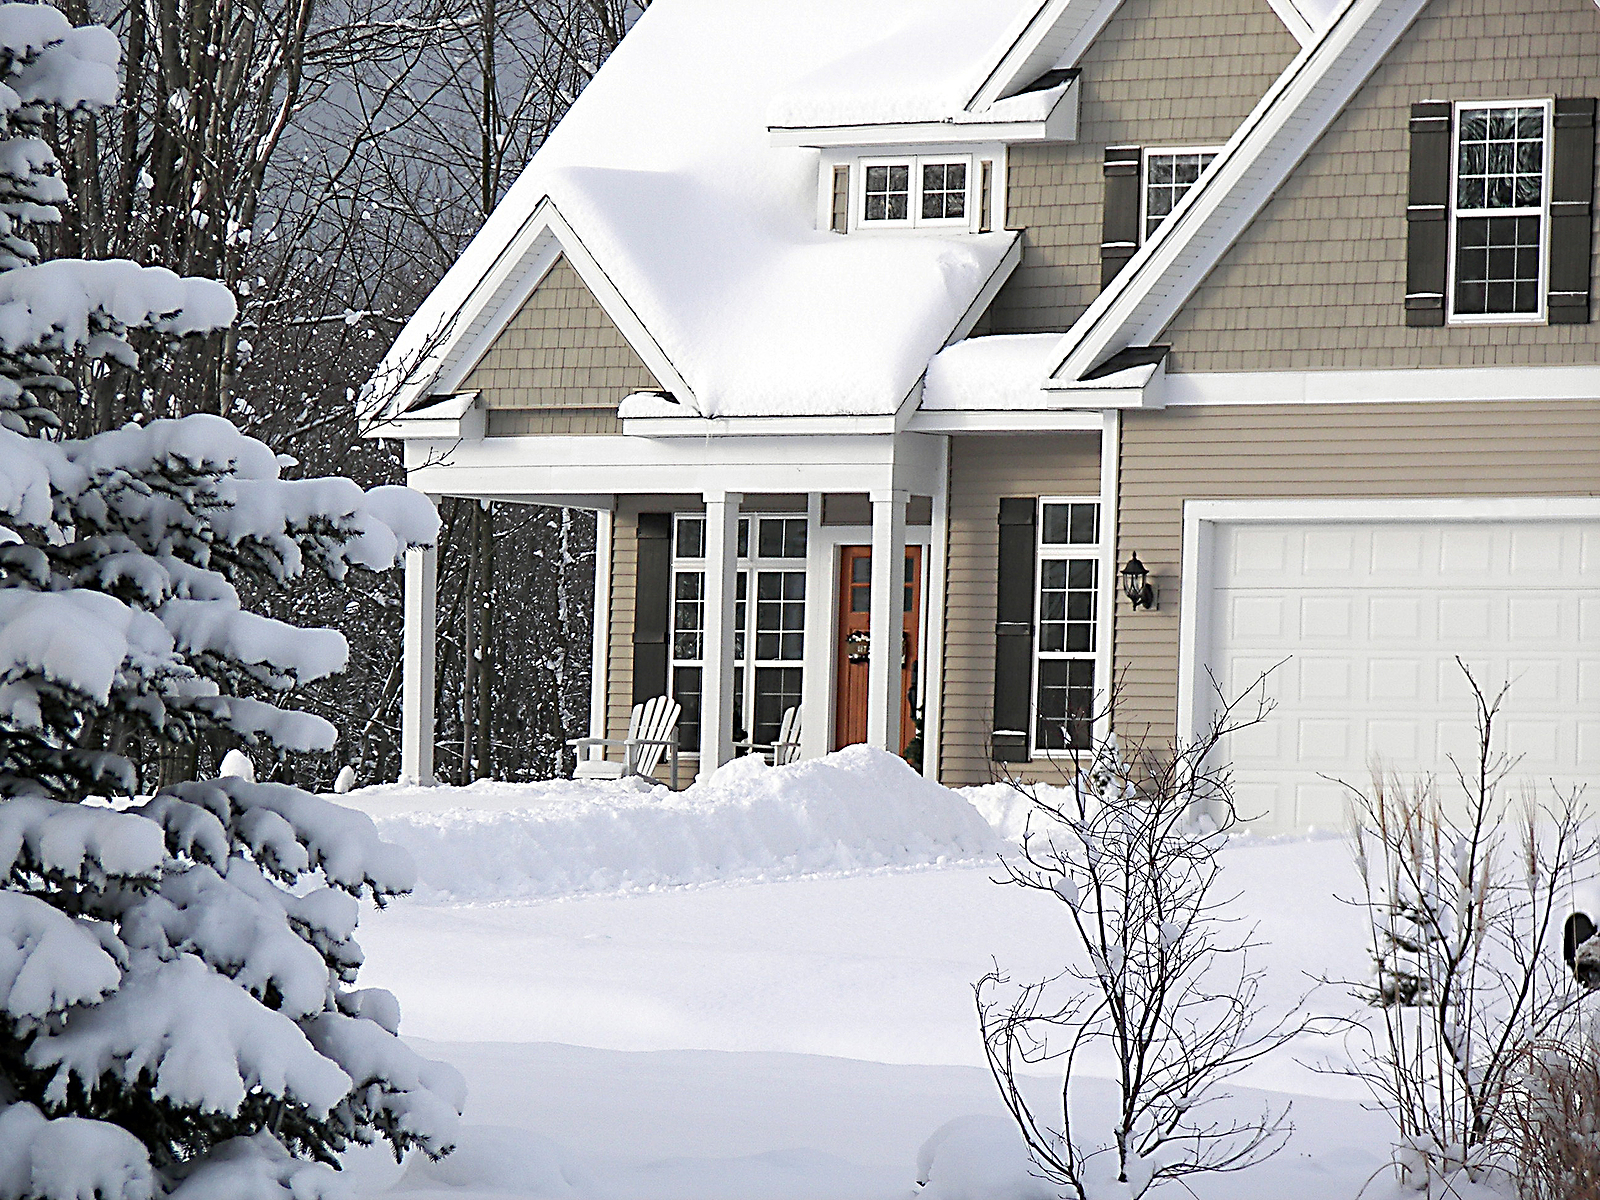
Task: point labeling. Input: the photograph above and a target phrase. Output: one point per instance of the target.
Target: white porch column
(816, 705)
(887, 619)
(416, 692)
(716, 676)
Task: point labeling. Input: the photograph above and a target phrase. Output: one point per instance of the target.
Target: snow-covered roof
(664, 173)
(998, 372)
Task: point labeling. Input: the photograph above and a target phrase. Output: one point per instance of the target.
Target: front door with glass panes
(855, 610)
(772, 569)
(1067, 614)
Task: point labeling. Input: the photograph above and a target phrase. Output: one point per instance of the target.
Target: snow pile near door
(855, 811)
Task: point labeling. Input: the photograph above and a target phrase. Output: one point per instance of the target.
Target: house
(883, 334)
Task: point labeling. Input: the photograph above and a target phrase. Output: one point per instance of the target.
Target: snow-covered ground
(761, 987)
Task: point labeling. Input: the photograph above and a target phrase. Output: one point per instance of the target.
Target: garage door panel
(1391, 618)
(1370, 619)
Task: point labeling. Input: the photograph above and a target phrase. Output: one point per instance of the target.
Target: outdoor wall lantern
(1136, 584)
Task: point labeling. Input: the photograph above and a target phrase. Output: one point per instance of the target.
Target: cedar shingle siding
(1162, 73)
(560, 366)
(1522, 448)
(1318, 281)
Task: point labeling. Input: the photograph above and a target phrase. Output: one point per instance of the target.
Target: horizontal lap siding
(1317, 451)
(982, 470)
(1317, 282)
(1162, 73)
(560, 366)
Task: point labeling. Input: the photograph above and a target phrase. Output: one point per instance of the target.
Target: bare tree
(1473, 894)
(1129, 846)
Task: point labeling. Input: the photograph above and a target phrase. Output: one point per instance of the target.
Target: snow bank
(852, 811)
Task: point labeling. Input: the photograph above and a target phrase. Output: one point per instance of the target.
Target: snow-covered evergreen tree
(177, 1015)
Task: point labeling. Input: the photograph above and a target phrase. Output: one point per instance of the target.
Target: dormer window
(915, 191)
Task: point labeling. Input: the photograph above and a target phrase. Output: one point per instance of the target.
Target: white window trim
(1095, 551)
(1145, 155)
(749, 566)
(1542, 315)
(914, 220)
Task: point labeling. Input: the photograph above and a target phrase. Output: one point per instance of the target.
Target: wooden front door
(855, 613)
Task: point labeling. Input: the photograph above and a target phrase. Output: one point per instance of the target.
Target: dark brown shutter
(1119, 226)
(840, 212)
(652, 606)
(1427, 213)
(1013, 630)
(1571, 194)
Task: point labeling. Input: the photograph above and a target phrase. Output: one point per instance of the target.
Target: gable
(559, 352)
(1321, 270)
(1161, 73)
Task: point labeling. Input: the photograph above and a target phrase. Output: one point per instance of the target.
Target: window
(1067, 615)
(1168, 176)
(768, 549)
(1500, 201)
(915, 191)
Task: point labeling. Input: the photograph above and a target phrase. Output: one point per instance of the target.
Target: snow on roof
(664, 171)
(1001, 371)
(927, 67)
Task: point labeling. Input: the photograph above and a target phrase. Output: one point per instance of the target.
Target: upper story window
(1500, 206)
(1168, 176)
(915, 191)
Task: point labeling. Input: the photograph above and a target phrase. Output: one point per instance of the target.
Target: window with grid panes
(1068, 608)
(1168, 176)
(886, 193)
(770, 549)
(1499, 195)
(918, 191)
(944, 191)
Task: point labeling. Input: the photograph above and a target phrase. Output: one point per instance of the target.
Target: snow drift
(856, 810)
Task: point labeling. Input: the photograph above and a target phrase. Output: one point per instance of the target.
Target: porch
(738, 599)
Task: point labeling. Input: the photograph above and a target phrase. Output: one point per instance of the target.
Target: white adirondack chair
(652, 729)
(787, 748)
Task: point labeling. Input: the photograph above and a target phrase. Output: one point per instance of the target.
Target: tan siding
(1162, 73)
(525, 422)
(1330, 451)
(982, 470)
(561, 354)
(1318, 280)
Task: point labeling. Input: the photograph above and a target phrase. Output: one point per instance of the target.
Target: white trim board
(1432, 384)
(1201, 518)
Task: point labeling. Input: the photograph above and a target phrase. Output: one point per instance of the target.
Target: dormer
(955, 188)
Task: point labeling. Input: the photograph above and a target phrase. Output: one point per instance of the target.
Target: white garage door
(1369, 618)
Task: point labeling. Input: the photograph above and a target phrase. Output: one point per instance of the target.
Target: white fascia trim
(1057, 34)
(532, 467)
(1417, 384)
(458, 416)
(1070, 420)
(1202, 517)
(799, 426)
(991, 289)
(494, 299)
(1060, 126)
(1293, 20)
(1266, 147)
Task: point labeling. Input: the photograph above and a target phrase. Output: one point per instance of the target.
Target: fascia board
(1060, 126)
(1284, 125)
(1057, 34)
(991, 289)
(797, 426)
(1408, 385)
(1068, 420)
(1293, 20)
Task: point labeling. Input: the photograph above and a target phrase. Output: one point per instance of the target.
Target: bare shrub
(1555, 1123)
(1465, 923)
(1130, 848)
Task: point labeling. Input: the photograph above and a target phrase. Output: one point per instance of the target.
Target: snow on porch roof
(663, 170)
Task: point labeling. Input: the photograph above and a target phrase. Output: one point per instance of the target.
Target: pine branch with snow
(178, 1010)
